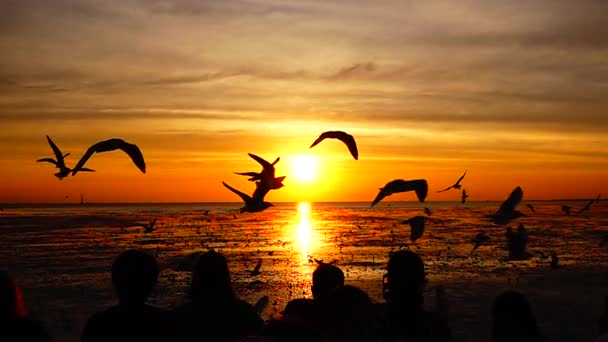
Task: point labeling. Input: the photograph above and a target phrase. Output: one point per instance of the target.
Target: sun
(304, 167)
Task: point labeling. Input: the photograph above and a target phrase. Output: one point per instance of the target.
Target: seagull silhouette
(479, 239)
(148, 227)
(417, 227)
(344, 137)
(428, 211)
(256, 269)
(59, 161)
(420, 186)
(255, 203)
(531, 207)
(566, 209)
(111, 145)
(463, 196)
(588, 205)
(455, 185)
(507, 211)
(266, 175)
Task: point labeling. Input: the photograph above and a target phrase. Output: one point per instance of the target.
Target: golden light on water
(304, 234)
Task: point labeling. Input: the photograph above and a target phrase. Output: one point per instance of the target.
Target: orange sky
(513, 94)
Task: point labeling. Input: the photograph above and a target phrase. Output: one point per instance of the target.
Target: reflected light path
(305, 236)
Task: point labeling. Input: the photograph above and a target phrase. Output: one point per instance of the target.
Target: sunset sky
(515, 93)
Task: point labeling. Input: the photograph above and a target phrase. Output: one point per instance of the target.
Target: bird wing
(90, 151)
(47, 160)
(57, 152)
(276, 160)
(464, 196)
(383, 193)
(266, 165)
(321, 137)
(246, 198)
(135, 154)
(258, 266)
(461, 177)
(417, 227)
(84, 169)
(421, 188)
(350, 142)
(261, 189)
(512, 201)
(446, 189)
(248, 174)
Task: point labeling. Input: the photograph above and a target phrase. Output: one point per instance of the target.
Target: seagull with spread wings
(255, 203)
(111, 145)
(420, 186)
(588, 205)
(267, 174)
(59, 161)
(478, 240)
(507, 211)
(463, 196)
(344, 137)
(455, 185)
(417, 227)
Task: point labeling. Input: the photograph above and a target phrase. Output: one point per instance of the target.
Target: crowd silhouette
(336, 311)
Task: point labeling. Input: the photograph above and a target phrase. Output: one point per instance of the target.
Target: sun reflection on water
(304, 234)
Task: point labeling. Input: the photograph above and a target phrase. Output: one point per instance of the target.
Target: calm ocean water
(61, 254)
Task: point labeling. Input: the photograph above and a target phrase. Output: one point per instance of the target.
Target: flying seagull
(507, 211)
(256, 269)
(463, 196)
(531, 207)
(479, 239)
(588, 205)
(148, 227)
(59, 161)
(455, 185)
(566, 209)
(428, 211)
(420, 186)
(417, 227)
(267, 173)
(344, 137)
(110, 145)
(256, 203)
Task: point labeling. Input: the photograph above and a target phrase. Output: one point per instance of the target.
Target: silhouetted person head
(348, 313)
(11, 301)
(405, 278)
(211, 279)
(513, 319)
(134, 275)
(325, 279)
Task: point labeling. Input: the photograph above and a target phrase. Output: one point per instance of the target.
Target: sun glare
(304, 167)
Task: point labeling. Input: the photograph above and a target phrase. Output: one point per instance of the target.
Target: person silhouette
(513, 319)
(15, 323)
(403, 317)
(326, 279)
(349, 315)
(134, 275)
(214, 310)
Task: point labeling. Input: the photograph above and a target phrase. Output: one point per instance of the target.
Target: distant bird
(253, 203)
(554, 260)
(507, 211)
(420, 186)
(479, 239)
(344, 137)
(464, 196)
(588, 205)
(455, 185)
(59, 161)
(531, 207)
(266, 175)
(417, 227)
(566, 209)
(428, 211)
(256, 269)
(148, 227)
(111, 145)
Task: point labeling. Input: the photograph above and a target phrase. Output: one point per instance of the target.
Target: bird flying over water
(344, 137)
(479, 239)
(266, 175)
(59, 161)
(148, 227)
(428, 211)
(253, 203)
(419, 186)
(463, 196)
(507, 211)
(111, 145)
(566, 209)
(588, 205)
(417, 227)
(256, 269)
(531, 207)
(455, 185)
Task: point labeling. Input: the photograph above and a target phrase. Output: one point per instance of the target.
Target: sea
(61, 254)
